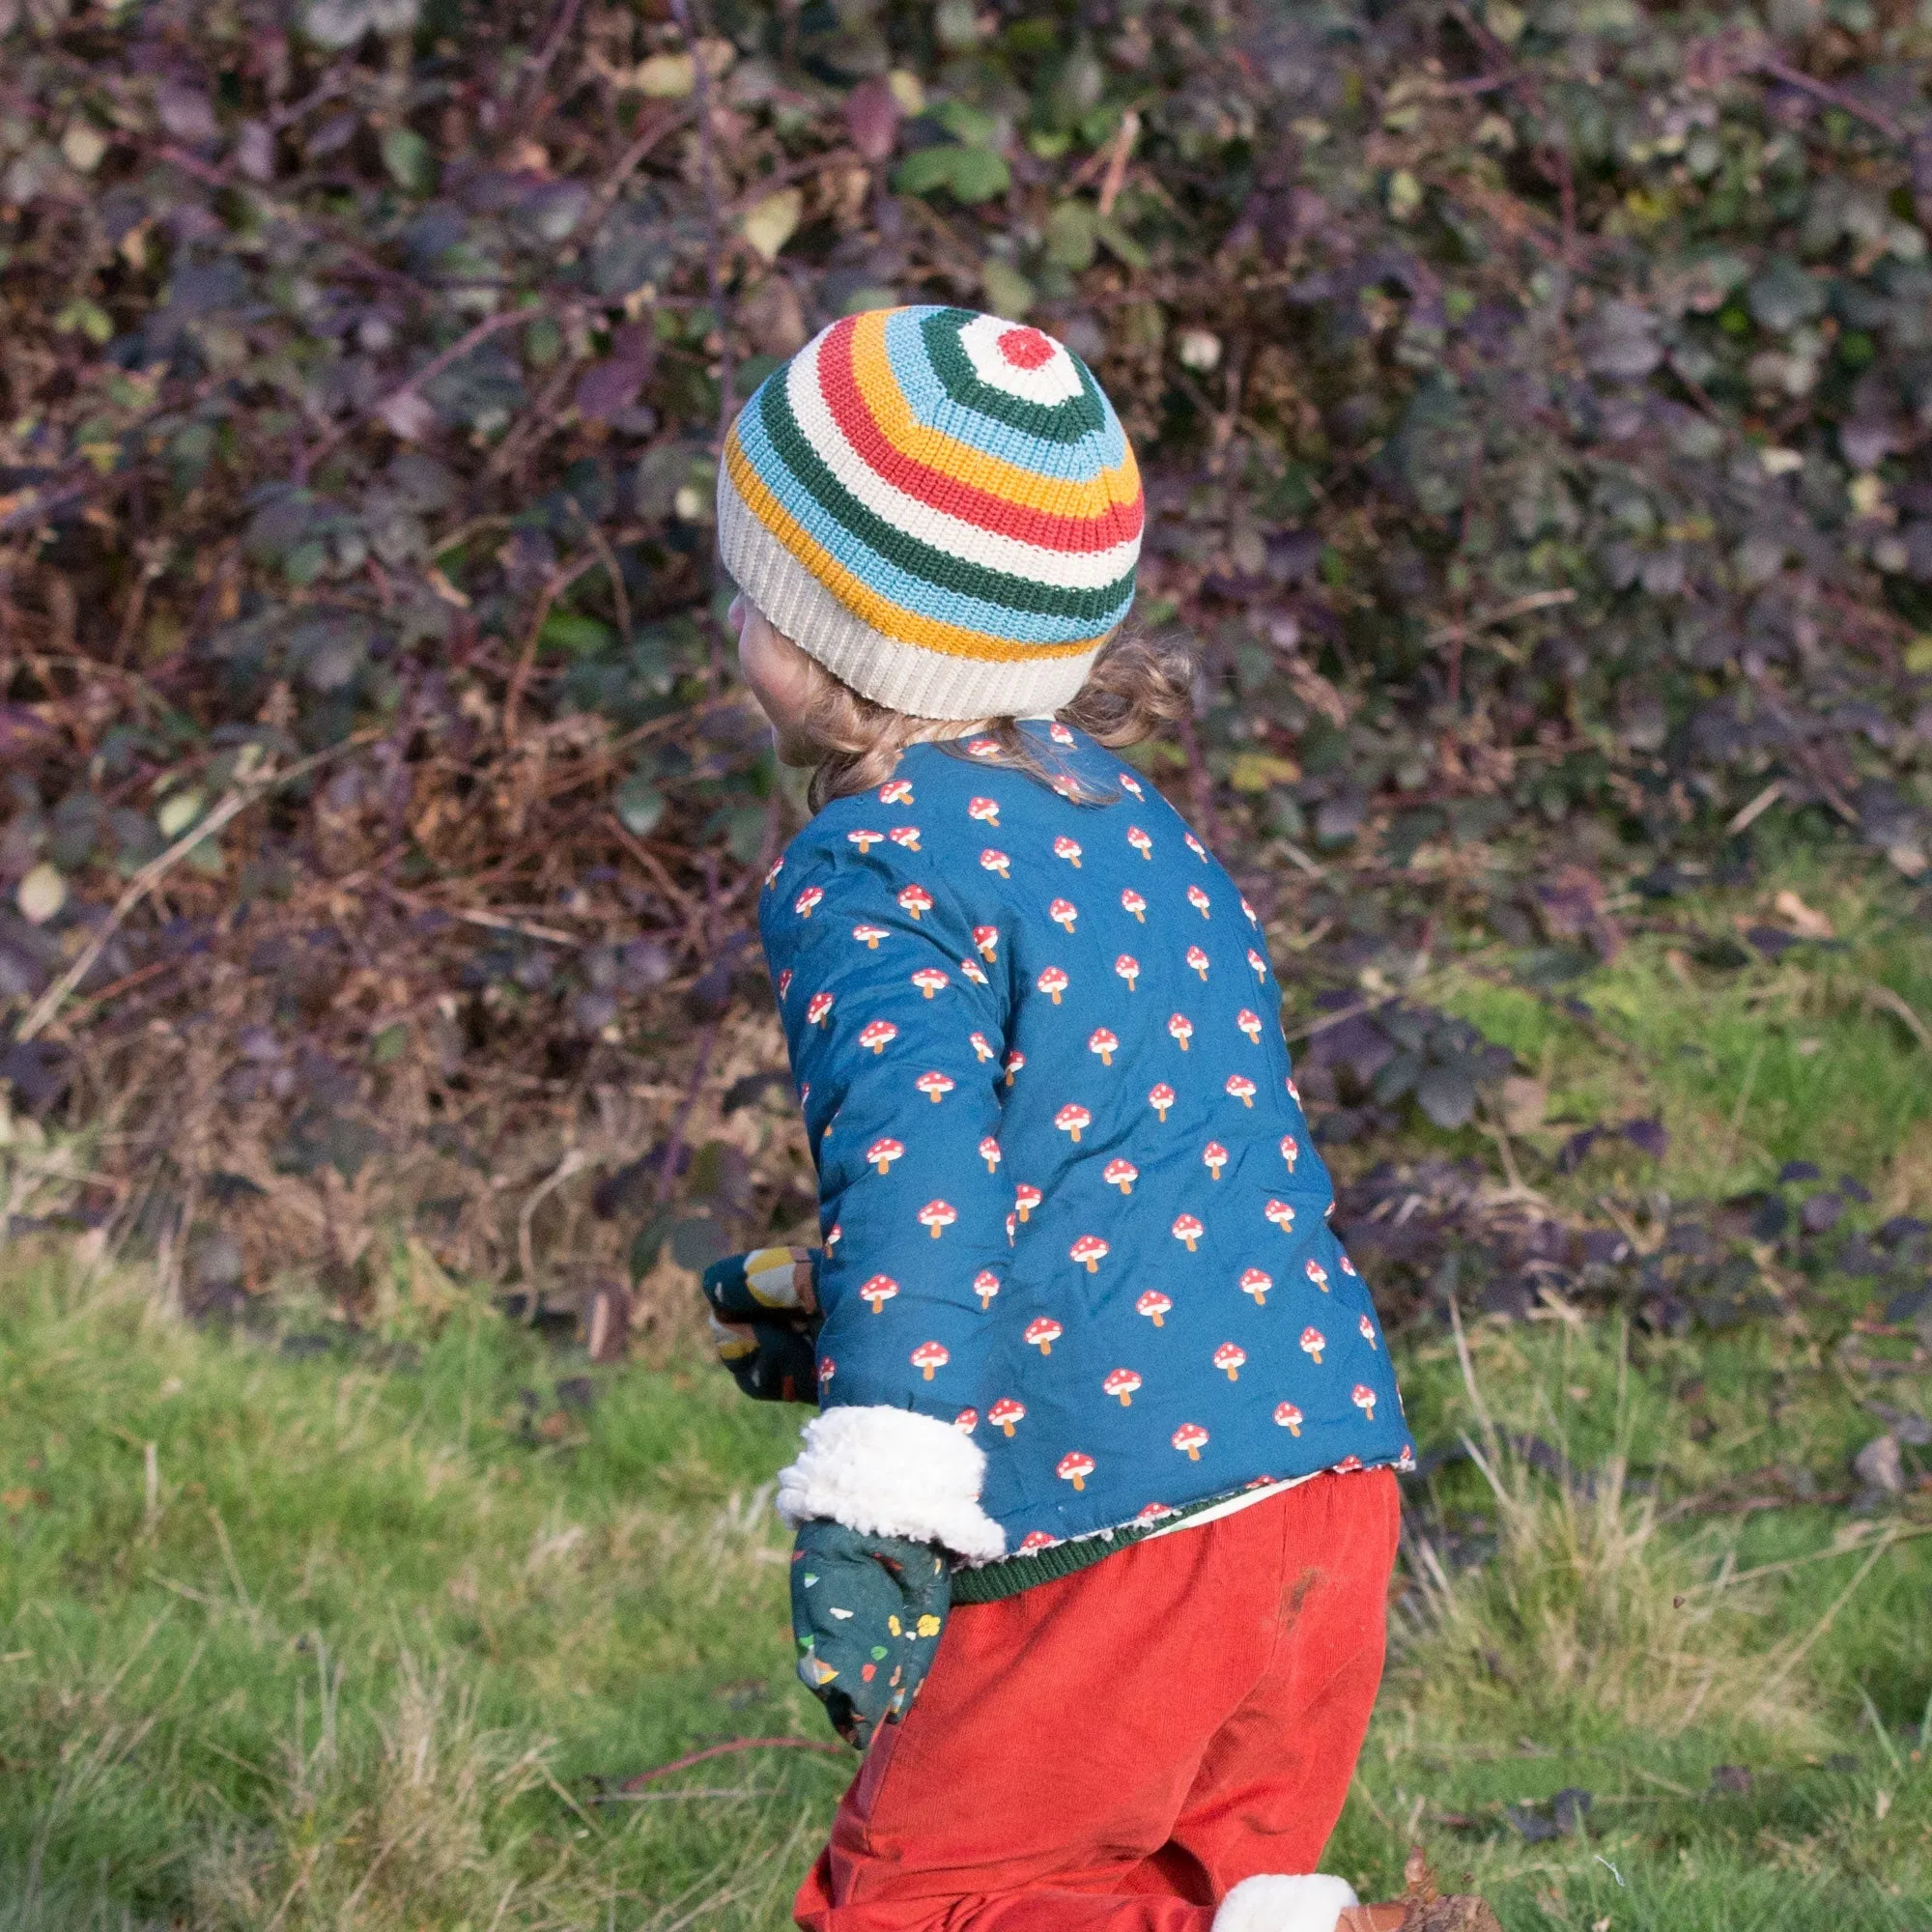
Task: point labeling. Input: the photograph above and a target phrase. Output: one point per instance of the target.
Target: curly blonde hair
(1138, 684)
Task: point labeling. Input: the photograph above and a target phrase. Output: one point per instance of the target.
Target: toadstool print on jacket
(1214, 1158)
(931, 979)
(1368, 1329)
(1186, 1228)
(1230, 1359)
(935, 1086)
(1289, 1417)
(938, 1216)
(1128, 968)
(906, 837)
(1249, 1023)
(1141, 843)
(1190, 1439)
(985, 1285)
(1160, 1098)
(817, 1008)
(1242, 1089)
(1121, 1174)
(1122, 1382)
(1291, 1150)
(1259, 965)
(1135, 904)
(1069, 849)
(877, 1034)
(1089, 1251)
(1070, 1119)
(993, 861)
(1153, 1304)
(1257, 1282)
(1016, 1060)
(884, 1151)
(1105, 1043)
(1317, 1273)
(1052, 982)
(895, 791)
(808, 901)
(966, 1421)
(983, 1047)
(1042, 1333)
(1364, 1399)
(1005, 1413)
(1313, 1342)
(879, 1291)
(929, 1355)
(869, 935)
(864, 839)
(1281, 1214)
(987, 939)
(914, 899)
(1075, 1467)
(1199, 901)
(984, 812)
(1063, 913)
(1026, 1198)
(1196, 961)
(989, 1151)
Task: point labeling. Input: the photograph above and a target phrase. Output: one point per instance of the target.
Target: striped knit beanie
(940, 506)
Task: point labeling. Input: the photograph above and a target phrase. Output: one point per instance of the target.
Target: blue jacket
(1069, 1197)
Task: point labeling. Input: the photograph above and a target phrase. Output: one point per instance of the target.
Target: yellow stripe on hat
(889, 619)
(1057, 495)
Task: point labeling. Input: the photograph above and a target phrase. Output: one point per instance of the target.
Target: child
(1093, 1369)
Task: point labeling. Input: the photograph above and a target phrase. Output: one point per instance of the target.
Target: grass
(360, 1637)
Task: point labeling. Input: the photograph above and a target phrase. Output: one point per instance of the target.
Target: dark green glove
(868, 1612)
(765, 1320)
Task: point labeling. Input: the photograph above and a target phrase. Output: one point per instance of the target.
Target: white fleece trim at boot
(892, 1472)
(1283, 1902)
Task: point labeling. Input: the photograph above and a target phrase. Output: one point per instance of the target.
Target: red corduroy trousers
(1114, 1750)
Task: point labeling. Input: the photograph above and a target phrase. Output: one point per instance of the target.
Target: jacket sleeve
(895, 1024)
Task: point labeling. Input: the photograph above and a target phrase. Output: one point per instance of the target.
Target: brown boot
(1423, 1908)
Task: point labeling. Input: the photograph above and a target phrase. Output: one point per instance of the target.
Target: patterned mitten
(765, 1320)
(868, 1612)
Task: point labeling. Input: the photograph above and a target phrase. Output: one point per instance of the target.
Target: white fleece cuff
(892, 1472)
(1279, 1902)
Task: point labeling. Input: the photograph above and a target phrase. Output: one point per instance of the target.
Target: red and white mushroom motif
(1042, 1333)
(966, 1421)
(1259, 964)
(1257, 1282)
(1364, 1399)
(1313, 1342)
(784, 982)
(1052, 982)
(1188, 1229)
(772, 876)
(1288, 1416)
(1190, 1439)
(1016, 1060)
(938, 1216)
(1181, 1029)
(992, 860)
(987, 939)
(1075, 1467)
(1405, 1462)
(1229, 1358)
(868, 936)
(1105, 1043)
(1063, 913)
(1199, 900)
(1291, 1150)
(1140, 841)
(1153, 1304)
(1195, 846)
(935, 1086)
(986, 811)
(809, 901)
(1130, 784)
(817, 1007)
(1059, 733)
(1128, 968)
(983, 1047)
(1214, 1158)
(1090, 1250)
(1160, 1098)
(878, 1035)
(879, 1291)
(895, 791)
(1241, 1087)
(1072, 1118)
(1069, 849)
(1122, 1382)
(1026, 1198)
(1318, 1274)
(1249, 910)
(1348, 1465)
(914, 899)
(864, 840)
(1293, 1092)
(905, 837)
(1135, 904)
(827, 1369)
(834, 1236)
(1198, 961)
(985, 1285)
(1121, 1174)
(930, 1355)
(1250, 1024)
(1005, 1412)
(1368, 1329)
(884, 1151)
(931, 979)
(989, 1152)
(1346, 1266)
(1281, 1214)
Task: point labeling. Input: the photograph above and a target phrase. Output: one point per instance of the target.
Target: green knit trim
(1050, 423)
(938, 567)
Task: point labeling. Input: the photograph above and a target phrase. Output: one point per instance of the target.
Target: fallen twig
(640, 1779)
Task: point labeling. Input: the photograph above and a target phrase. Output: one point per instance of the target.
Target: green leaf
(579, 635)
(1008, 293)
(1072, 235)
(971, 125)
(969, 174)
(1125, 249)
(639, 806)
(409, 160)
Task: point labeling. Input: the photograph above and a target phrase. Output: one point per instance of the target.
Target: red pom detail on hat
(1025, 348)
